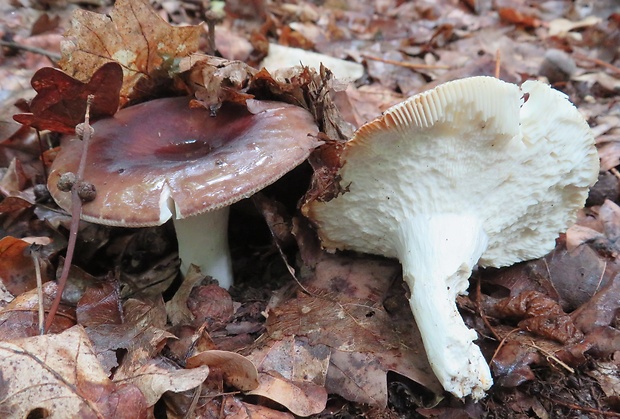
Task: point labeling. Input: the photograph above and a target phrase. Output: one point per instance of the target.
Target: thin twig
(598, 62)
(76, 209)
(412, 66)
(51, 55)
(615, 172)
(548, 355)
(37, 270)
(574, 406)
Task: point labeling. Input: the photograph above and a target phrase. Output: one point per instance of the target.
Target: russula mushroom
(164, 159)
(474, 171)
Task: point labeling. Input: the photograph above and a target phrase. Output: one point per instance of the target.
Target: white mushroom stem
(438, 253)
(203, 241)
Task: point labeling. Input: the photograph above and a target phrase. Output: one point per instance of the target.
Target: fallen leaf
(236, 409)
(238, 371)
(302, 398)
(294, 359)
(608, 376)
(132, 35)
(100, 304)
(60, 375)
(17, 270)
(158, 376)
(176, 308)
(20, 318)
(142, 336)
(60, 103)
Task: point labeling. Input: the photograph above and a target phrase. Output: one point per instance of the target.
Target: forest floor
(302, 332)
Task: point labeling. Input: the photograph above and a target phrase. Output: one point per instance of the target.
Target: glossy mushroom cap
(163, 159)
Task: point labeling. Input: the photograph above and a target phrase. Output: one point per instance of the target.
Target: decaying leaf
(343, 310)
(236, 409)
(17, 271)
(134, 36)
(302, 398)
(142, 335)
(292, 373)
(158, 376)
(60, 376)
(176, 308)
(236, 369)
(20, 318)
(60, 103)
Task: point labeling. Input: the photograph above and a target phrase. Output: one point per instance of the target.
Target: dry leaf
(20, 318)
(60, 103)
(134, 36)
(176, 308)
(157, 377)
(302, 398)
(142, 335)
(294, 359)
(17, 271)
(236, 409)
(60, 376)
(238, 371)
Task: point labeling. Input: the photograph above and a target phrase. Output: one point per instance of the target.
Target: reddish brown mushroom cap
(163, 154)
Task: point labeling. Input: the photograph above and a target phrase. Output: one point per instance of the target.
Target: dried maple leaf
(134, 36)
(60, 103)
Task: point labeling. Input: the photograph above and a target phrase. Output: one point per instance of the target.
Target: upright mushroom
(474, 171)
(164, 159)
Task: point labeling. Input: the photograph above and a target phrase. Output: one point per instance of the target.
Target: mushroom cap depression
(520, 159)
(163, 158)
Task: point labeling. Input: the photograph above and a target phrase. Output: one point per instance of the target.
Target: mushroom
(474, 171)
(164, 159)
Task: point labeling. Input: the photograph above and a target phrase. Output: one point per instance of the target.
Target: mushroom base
(441, 251)
(203, 241)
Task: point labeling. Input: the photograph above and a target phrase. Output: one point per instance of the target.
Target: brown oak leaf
(60, 103)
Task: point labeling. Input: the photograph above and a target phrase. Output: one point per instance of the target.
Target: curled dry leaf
(176, 308)
(134, 36)
(237, 370)
(292, 373)
(60, 103)
(302, 398)
(157, 377)
(236, 409)
(60, 375)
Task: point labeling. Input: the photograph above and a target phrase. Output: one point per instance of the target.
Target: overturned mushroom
(162, 159)
(474, 171)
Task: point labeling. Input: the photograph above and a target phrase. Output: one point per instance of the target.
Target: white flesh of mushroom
(474, 171)
(203, 241)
